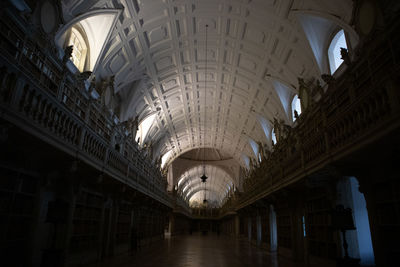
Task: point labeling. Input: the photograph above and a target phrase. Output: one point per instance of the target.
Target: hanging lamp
(204, 176)
(205, 194)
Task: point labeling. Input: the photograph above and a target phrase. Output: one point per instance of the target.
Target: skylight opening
(335, 58)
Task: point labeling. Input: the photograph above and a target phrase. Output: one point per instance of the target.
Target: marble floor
(200, 251)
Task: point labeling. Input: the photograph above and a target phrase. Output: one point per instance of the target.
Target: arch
(319, 28)
(199, 184)
(98, 25)
(353, 36)
(184, 139)
(186, 176)
(361, 221)
(199, 189)
(211, 197)
(181, 166)
(218, 181)
(359, 241)
(183, 151)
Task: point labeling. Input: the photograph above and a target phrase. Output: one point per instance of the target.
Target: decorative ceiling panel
(250, 44)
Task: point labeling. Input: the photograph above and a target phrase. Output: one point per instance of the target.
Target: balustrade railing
(38, 91)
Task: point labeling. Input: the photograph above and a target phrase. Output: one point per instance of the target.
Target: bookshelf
(18, 195)
(320, 234)
(123, 223)
(284, 230)
(284, 224)
(86, 222)
(387, 199)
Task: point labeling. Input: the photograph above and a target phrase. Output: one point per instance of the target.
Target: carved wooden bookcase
(86, 222)
(18, 195)
(320, 234)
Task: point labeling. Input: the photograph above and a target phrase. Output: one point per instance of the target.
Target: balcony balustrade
(39, 94)
(360, 106)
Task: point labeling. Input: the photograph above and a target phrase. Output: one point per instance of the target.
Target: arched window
(80, 48)
(273, 136)
(296, 106)
(335, 58)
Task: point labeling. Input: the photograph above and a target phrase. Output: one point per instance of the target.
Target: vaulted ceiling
(256, 50)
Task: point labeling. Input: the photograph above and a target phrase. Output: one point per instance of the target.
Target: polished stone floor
(200, 251)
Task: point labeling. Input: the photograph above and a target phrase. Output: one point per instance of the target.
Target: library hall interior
(194, 133)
